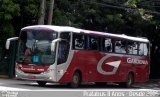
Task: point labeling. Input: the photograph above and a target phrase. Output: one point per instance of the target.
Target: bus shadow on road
(82, 86)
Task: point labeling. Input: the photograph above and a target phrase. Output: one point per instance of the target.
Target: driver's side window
(64, 46)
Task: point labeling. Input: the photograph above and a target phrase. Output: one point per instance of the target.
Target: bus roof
(77, 30)
(123, 36)
(55, 28)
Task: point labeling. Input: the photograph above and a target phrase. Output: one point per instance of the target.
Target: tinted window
(63, 49)
(65, 35)
(78, 41)
(107, 44)
(132, 47)
(145, 49)
(141, 49)
(120, 46)
(93, 43)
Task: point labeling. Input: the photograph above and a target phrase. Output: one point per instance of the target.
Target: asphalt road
(12, 84)
(19, 88)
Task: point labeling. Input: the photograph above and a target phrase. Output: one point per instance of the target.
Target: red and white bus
(70, 55)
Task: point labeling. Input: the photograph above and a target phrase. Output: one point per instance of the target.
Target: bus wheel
(41, 83)
(130, 81)
(75, 80)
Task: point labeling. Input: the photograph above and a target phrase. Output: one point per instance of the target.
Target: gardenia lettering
(136, 61)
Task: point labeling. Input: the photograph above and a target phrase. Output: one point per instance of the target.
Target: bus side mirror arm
(53, 44)
(9, 41)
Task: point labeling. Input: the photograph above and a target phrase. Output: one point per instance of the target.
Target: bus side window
(65, 35)
(93, 43)
(145, 49)
(141, 49)
(63, 49)
(107, 45)
(78, 41)
(120, 46)
(135, 48)
(132, 48)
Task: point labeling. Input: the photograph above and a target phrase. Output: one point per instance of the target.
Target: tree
(8, 11)
(50, 13)
(42, 12)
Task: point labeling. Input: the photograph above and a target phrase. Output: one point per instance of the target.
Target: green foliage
(31, 9)
(8, 11)
(60, 18)
(8, 30)
(29, 12)
(131, 3)
(86, 14)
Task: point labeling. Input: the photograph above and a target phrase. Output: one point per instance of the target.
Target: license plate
(31, 77)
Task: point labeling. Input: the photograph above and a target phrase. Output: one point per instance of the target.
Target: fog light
(50, 77)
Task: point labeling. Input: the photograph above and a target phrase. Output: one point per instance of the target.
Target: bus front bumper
(36, 77)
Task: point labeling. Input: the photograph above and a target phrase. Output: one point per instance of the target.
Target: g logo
(115, 64)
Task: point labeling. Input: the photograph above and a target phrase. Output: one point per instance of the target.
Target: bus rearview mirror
(9, 41)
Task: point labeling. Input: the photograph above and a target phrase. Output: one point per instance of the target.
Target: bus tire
(41, 83)
(76, 80)
(129, 82)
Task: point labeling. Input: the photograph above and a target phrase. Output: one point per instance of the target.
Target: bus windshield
(35, 47)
